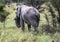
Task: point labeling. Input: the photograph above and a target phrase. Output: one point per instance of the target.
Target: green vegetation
(13, 34)
(3, 13)
(49, 26)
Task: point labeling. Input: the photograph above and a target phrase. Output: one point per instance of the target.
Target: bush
(1, 7)
(3, 13)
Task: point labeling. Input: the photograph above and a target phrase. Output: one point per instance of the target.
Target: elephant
(29, 15)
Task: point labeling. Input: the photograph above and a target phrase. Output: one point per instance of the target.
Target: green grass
(16, 35)
(13, 34)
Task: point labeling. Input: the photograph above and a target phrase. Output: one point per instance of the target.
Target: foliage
(47, 33)
(55, 2)
(2, 1)
(3, 13)
(1, 7)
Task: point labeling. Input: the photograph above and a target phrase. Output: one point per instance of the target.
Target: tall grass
(13, 34)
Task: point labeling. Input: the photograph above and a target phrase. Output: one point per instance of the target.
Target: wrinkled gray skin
(29, 15)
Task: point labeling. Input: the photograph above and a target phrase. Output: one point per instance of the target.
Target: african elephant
(29, 15)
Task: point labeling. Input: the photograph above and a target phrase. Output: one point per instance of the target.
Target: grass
(16, 35)
(13, 34)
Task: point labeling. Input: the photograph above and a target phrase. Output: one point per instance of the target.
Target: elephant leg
(22, 23)
(29, 27)
(35, 26)
(36, 29)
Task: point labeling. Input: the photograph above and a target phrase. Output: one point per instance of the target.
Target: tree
(56, 4)
(3, 14)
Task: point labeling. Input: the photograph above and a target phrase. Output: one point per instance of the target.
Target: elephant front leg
(36, 29)
(22, 24)
(29, 27)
